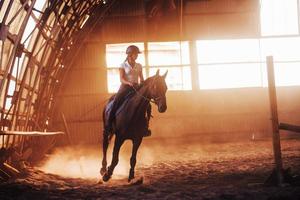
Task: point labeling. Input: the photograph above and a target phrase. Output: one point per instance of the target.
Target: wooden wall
(83, 95)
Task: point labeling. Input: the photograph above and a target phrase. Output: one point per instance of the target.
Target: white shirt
(131, 73)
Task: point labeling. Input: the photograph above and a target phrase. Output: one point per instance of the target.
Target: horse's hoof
(106, 177)
(103, 171)
(138, 181)
(131, 175)
(130, 179)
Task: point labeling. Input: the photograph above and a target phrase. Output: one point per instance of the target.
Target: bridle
(155, 99)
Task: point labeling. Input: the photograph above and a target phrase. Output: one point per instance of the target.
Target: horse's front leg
(115, 159)
(104, 150)
(136, 145)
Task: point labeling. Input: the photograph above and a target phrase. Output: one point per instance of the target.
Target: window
(282, 49)
(171, 56)
(279, 17)
(227, 51)
(229, 63)
(233, 63)
(178, 78)
(286, 56)
(230, 76)
(115, 55)
(287, 74)
(174, 57)
(242, 62)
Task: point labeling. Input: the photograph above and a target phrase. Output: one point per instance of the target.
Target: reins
(146, 98)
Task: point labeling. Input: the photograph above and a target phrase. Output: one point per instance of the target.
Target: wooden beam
(66, 128)
(289, 127)
(274, 118)
(30, 133)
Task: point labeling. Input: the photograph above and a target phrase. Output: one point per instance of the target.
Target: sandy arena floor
(170, 170)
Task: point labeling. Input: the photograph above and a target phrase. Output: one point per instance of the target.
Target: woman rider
(131, 75)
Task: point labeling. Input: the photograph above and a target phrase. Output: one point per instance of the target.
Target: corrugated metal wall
(84, 94)
(201, 19)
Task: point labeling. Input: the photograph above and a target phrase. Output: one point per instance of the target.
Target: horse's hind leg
(105, 146)
(115, 159)
(136, 145)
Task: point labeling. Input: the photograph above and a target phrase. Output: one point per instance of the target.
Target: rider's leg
(119, 98)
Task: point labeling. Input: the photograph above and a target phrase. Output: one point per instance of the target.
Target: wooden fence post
(275, 124)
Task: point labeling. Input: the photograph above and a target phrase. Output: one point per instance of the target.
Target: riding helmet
(132, 49)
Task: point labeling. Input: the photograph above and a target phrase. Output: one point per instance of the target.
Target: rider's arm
(141, 76)
(123, 77)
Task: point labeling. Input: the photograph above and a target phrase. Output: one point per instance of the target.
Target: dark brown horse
(131, 123)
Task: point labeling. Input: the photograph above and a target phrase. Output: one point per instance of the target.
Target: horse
(130, 121)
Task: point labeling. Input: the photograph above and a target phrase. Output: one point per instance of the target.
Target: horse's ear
(157, 72)
(166, 73)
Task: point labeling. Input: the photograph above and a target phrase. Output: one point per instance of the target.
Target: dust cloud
(85, 162)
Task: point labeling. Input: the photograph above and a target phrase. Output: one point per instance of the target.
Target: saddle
(123, 106)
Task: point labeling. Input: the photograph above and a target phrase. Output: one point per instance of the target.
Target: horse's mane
(146, 83)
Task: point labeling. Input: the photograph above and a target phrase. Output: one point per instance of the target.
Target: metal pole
(274, 114)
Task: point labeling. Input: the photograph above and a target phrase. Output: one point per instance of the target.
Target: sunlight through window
(178, 78)
(279, 17)
(282, 49)
(168, 53)
(224, 51)
(287, 74)
(229, 63)
(242, 62)
(113, 80)
(174, 57)
(229, 76)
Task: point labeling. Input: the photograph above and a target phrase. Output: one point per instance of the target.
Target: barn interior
(220, 137)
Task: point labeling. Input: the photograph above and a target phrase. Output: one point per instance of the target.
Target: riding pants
(118, 100)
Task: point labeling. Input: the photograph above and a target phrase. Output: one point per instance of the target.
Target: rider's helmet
(132, 49)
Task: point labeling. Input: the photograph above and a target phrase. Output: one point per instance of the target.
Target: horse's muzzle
(162, 108)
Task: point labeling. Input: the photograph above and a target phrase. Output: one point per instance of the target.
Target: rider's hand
(130, 84)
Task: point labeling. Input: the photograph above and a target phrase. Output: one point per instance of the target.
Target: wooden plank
(274, 118)
(289, 127)
(66, 128)
(30, 133)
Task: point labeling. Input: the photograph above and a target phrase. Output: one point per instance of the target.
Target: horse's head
(158, 89)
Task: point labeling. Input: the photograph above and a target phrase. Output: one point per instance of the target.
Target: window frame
(147, 67)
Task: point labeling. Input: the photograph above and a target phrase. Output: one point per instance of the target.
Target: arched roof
(38, 40)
